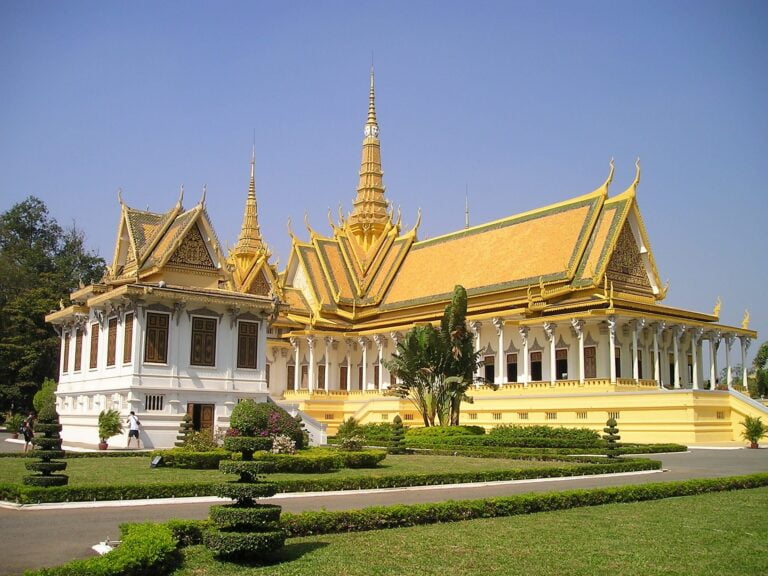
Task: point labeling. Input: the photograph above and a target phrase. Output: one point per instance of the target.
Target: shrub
(611, 436)
(264, 419)
(351, 443)
(397, 438)
(185, 430)
(188, 459)
(110, 424)
(363, 458)
(200, 441)
(575, 436)
(48, 440)
(247, 445)
(754, 429)
(282, 444)
(446, 431)
(350, 427)
(13, 423)
(145, 549)
(305, 462)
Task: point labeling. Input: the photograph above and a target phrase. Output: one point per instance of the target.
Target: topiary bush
(397, 437)
(185, 430)
(265, 419)
(246, 529)
(47, 440)
(611, 437)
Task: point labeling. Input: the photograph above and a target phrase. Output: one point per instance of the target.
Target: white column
(475, 326)
(526, 375)
(656, 361)
(363, 341)
(714, 344)
(395, 337)
(349, 365)
(728, 375)
(549, 331)
(676, 333)
(745, 342)
(501, 361)
(297, 364)
(695, 336)
(635, 366)
(311, 372)
(380, 342)
(612, 346)
(328, 364)
(578, 326)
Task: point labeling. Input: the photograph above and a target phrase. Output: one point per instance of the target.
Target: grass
(134, 470)
(707, 535)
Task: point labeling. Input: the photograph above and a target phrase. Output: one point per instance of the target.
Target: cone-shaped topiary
(185, 431)
(611, 436)
(48, 444)
(397, 438)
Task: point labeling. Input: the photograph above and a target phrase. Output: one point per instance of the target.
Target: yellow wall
(644, 415)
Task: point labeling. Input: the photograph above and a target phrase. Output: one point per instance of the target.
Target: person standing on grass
(28, 430)
(133, 429)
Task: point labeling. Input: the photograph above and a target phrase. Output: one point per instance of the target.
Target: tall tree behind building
(40, 264)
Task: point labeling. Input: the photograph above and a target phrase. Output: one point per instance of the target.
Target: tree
(761, 370)
(40, 264)
(435, 367)
(611, 437)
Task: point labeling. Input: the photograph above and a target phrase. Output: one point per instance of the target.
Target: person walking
(28, 430)
(133, 429)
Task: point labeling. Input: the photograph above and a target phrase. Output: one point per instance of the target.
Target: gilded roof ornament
(745, 320)
(120, 196)
(637, 175)
(716, 309)
(181, 195)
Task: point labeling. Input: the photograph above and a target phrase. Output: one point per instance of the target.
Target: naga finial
(637, 174)
(120, 196)
(716, 309)
(745, 320)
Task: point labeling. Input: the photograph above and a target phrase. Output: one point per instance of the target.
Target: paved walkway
(69, 533)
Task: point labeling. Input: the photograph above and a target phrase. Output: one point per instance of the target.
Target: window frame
(240, 352)
(204, 332)
(152, 338)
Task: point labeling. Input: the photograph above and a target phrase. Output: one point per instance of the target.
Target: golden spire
(369, 216)
(249, 240)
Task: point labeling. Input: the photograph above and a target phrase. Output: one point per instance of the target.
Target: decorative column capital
(578, 326)
(310, 341)
(677, 332)
(612, 324)
(746, 341)
(523, 330)
(638, 324)
(696, 334)
(549, 330)
(363, 341)
(294, 342)
(396, 337)
(729, 340)
(380, 341)
(475, 326)
(498, 323)
(330, 341)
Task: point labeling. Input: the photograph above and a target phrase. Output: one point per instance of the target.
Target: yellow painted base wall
(643, 415)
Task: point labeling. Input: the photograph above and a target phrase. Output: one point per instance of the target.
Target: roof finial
(371, 126)
(205, 191)
(637, 174)
(120, 196)
(181, 195)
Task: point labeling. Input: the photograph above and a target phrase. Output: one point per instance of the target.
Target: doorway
(202, 416)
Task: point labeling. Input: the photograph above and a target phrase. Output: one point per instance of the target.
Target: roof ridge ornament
(637, 174)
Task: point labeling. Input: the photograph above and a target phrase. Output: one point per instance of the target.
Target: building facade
(565, 303)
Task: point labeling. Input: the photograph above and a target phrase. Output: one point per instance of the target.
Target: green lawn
(713, 534)
(133, 470)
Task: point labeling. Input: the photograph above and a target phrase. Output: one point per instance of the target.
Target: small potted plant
(754, 429)
(13, 424)
(110, 424)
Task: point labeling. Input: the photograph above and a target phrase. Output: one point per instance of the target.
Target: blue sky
(520, 103)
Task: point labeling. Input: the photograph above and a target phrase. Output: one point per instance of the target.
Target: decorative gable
(260, 285)
(192, 251)
(626, 268)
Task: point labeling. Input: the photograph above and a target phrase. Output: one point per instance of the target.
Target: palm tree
(435, 368)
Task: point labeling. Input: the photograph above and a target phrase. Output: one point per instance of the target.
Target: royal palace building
(565, 303)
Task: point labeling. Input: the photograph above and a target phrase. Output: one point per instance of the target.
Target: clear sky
(520, 103)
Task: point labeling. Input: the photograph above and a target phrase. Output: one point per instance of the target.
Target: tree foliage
(761, 370)
(40, 264)
(435, 366)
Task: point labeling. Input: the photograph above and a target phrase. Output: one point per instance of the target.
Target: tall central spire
(369, 216)
(249, 240)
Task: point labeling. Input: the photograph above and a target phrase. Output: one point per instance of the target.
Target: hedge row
(99, 454)
(145, 549)
(32, 495)
(445, 431)
(381, 517)
(546, 454)
(488, 440)
(514, 433)
(182, 458)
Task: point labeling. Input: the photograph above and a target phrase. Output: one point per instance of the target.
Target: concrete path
(34, 537)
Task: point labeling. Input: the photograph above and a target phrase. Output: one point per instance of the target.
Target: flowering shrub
(264, 419)
(282, 444)
(353, 443)
(231, 432)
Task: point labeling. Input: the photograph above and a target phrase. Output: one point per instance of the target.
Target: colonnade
(612, 348)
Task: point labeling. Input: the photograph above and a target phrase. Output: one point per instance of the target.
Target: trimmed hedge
(362, 458)
(183, 458)
(305, 462)
(145, 549)
(381, 517)
(445, 431)
(513, 433)
(247, 445)
(31, 495)
(262, 517)
(233, 545)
